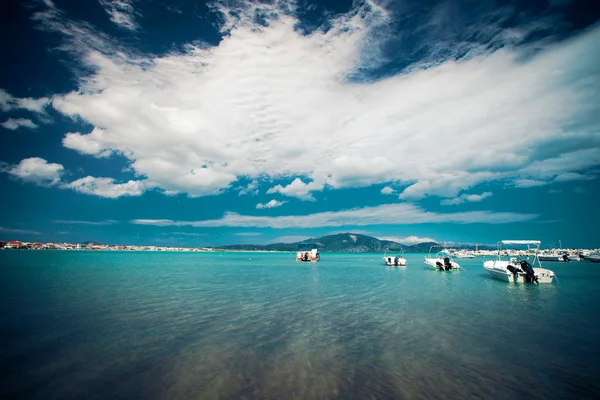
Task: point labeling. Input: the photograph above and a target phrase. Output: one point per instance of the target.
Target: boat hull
(389, 261)
(432, 264)
(308, 256)
(498, 270)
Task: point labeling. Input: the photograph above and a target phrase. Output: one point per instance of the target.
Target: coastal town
(574, 254)
(18, 245)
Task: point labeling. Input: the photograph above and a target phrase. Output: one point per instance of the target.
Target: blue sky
(193, 123)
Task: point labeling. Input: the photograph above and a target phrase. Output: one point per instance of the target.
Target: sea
(172, 325)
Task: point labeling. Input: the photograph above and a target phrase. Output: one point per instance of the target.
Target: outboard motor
(513, 269)
(447, 265)
(439, 265)
(565, 257)
(530, 273)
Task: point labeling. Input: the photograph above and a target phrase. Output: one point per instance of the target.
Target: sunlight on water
(202, 326)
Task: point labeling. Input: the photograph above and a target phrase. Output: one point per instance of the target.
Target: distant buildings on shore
(15, 244)
(18, 245)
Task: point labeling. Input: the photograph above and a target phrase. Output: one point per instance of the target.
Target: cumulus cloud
(271, 204)
(86, 145)
(273, 101)
(121, 12)
(387, 190)
(41, 172)
(396, 214)
(106, 187)
(14, 124)
(36, 170)
(466, 198)
(297, 189)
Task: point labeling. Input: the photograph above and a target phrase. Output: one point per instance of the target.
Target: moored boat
(519, 270)
(442, 261)
(395, 261)
(307, 252)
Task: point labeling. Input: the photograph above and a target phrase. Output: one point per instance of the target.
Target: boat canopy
(534, 242)
(307, 245)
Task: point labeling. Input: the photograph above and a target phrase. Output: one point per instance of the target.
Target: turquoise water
(126, 325)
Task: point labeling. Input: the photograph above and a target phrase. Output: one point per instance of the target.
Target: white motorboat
(394, 261)
(308, 252)
(519, 270)
(595, 258)
(563, 257)
(442, 261)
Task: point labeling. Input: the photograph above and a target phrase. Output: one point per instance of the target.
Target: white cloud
(18, 231)
(466, 198)
(527, 183)
(14, 124)
(271, 204)
(86, 145)
(387, 190)
(409, 240)
(75, 222)
(248, 234)
(35, 105)
(387, 214)
(106, 187)
(9, 102)
(572, 176)
(36, 170)
(251, 188)
(297, 189)
(6, 100)
(270, 102)
(121, 12)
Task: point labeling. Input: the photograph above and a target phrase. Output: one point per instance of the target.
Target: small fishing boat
(519, 270)
(394, 261)
(307, 252)
(442, 261)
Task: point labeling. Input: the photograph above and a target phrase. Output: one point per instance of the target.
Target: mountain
(338, 243)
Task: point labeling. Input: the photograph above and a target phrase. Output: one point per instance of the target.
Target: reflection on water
(133, 325)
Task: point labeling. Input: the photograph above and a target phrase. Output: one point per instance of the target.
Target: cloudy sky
(207, 123)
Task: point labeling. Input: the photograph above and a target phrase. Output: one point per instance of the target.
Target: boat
(442, 261)
(395, 261)
(307, 252)
(464, 254)
(564, 257)
(595, 258)
(519, 270)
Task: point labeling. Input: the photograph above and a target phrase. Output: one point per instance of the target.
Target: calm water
(124, 325)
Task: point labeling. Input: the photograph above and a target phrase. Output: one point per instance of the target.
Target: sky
(208, 123)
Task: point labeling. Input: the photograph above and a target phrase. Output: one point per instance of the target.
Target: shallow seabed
(147, 325)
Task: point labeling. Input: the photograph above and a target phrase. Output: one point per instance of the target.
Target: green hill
(339, 243)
